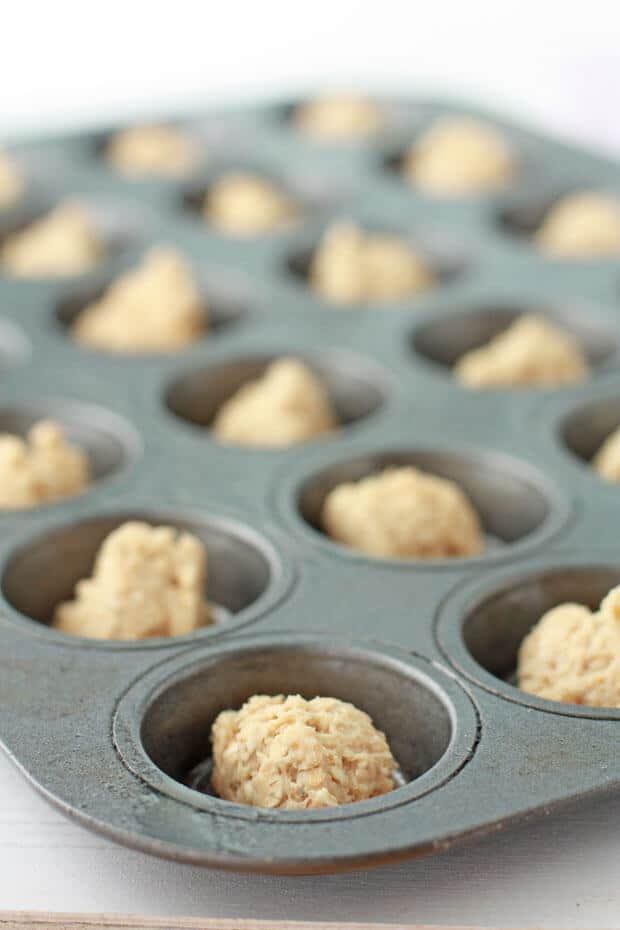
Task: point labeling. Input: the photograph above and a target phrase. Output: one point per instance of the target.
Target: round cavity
(442, 260)
(524, 218)
(585, 429)
(43, 572)
(492, 623)
(511, 500)
(355, 385)
(445, 340)
(223, 305)
(407, 699)
(109, 442)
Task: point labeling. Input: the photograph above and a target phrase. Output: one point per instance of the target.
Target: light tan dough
(152, 150)
(147, 581)
(156, 307)
(11, 181)
(63, 242)
(41, 468)
(573, 654)
(607, 460)
(244, 205)
(585, 224)
(287, 752)
(351, 267)
(338, 118)
(286, 405)
(532, 351)
(459, 155)
(403, 513)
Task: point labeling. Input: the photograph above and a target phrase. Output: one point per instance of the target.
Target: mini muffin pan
(114, 732)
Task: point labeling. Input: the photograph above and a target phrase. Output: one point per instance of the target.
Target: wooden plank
(13, 920)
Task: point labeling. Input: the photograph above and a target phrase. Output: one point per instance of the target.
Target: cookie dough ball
(286, 752)
(351, 267)
(63, 242)
(11, 182)
(41, 468)
(156, 307)
(152, 151)
(458, 155)
(338, 118)
(287, 405)
(245, 204)
(147, 581)
(532, 351)
(403, 513)
(573, 654)
(585, 224)
(607, 460)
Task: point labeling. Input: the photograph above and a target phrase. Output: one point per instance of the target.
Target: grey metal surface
(111, 732)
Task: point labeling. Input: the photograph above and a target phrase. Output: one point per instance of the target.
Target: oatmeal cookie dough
(287, 752)
(286, 405)
(352, 267)
(243, 204)
(532, 351)
(573, 654)
(585, 224)
(63, 242)
(459, 155)
(155, 307)
(152, 151)
(147, 581)
(338, 118)
(607, 460)
(11, 181)
(41, 468)
(403, 513)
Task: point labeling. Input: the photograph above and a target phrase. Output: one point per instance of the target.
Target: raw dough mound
(403, 513)
(351, 266)
(246, 204)
(291, 753)
(288, 404)
(338, 118)
(42, 468)
(607, 459)
(11, 181)
(573, 654)
(147, 581)
(63, 242)
(459, 155)
(152, 308)
(532, 351)
(143, 151)
(585, 224)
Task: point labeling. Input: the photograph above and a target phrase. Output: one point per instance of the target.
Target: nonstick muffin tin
(111, 732)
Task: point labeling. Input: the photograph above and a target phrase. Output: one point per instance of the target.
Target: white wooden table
(559, 872)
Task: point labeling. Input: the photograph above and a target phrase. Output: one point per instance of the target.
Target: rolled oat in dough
(155, 307)
(286, 405)
(403, 513)
(351, 266)
(287, 752)
(338, 118)
(607, 460)
(584, 224)
(152, 150)
(63, 242)
(243, 204)
(41, 468)
(573, 654)
(459, 155)
(11, 181)
(147, 581)
(532, 351)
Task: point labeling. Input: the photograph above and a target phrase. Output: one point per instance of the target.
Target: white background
(76, 63)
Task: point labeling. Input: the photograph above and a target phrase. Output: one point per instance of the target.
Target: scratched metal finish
(112, 732)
